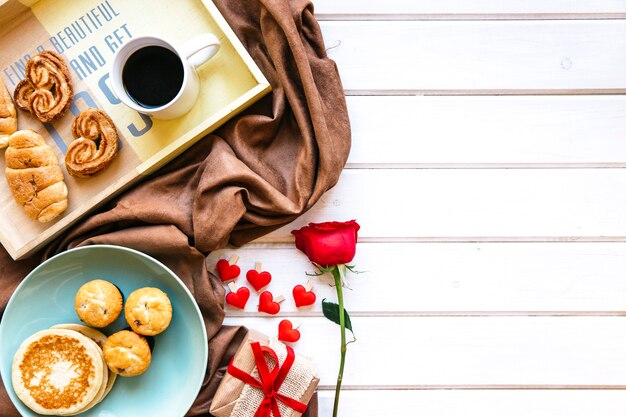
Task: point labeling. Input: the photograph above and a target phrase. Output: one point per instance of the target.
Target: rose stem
(339, 272)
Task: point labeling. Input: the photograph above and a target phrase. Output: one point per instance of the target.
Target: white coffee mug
(194, 53)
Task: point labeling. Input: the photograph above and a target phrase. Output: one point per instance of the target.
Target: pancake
(57, 372)
(93, 334)
(100, 340)
(102, 391)
(112, 377)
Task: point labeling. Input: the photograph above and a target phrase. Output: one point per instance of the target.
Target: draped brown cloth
(259, 171)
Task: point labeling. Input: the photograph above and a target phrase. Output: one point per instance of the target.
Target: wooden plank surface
(479, 57)
(491, 131)
(483, 403)
(502, 205)
(461, 9)
(459, 352)
(475, 204)
(453, 278)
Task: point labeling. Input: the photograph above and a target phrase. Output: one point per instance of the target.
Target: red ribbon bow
(270, 381)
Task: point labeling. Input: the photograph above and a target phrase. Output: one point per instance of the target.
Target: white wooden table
(487, 172)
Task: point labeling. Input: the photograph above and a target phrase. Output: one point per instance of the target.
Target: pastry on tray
(95, 144)
(46, 91)
(34, 176)
(8, 116)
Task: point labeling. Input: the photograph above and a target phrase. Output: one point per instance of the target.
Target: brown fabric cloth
(259, 171)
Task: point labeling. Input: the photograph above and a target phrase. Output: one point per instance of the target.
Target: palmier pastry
(95, 143)
(8, 116)
(34, 176)
(47, 89)
(22, 93)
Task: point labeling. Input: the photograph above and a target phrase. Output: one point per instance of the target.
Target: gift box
(255, 386)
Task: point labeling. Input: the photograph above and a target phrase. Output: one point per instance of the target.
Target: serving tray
(87, 33)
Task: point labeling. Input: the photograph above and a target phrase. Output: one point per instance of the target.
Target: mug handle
(201, 48)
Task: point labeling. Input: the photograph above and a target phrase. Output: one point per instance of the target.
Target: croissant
(34, 176)
(8, 116)
(95, 143)
(47, 89)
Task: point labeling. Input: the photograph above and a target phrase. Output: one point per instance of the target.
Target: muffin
(148, 311)
(127, 353)
(98, 303)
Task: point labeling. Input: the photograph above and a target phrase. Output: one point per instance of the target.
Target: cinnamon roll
(47, 89)
(95, 144)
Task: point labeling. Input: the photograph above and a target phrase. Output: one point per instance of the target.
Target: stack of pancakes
(61, 371)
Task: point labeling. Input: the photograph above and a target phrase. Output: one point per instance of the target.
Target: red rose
(328, 244)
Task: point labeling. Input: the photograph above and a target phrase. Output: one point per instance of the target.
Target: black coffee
(153, 76)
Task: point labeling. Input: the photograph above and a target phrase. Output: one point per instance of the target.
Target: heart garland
(228, 270)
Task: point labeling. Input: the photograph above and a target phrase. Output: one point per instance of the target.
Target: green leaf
(331, 312)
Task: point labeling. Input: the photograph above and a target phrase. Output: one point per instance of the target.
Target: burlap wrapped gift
(234, 398)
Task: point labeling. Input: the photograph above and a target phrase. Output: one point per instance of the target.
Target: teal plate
(46, 297)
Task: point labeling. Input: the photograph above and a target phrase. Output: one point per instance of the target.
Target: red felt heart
(238, 299)
(302, 297)
(267, 303)
(258, 280)
(287, 333)
(227, 271)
